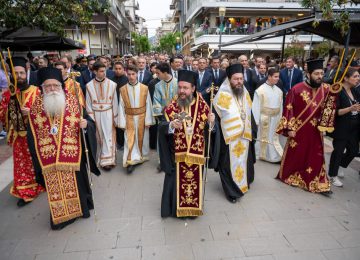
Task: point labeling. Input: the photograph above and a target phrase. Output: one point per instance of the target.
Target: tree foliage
(295, 49)
(141, 43)
(322, 48)
(50, 15)
(341, 19)
(168, 42)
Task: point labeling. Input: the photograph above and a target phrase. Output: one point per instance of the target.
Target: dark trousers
(338, 157)
(120, 137)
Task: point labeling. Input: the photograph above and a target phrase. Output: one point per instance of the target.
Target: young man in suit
(87, 75)
(218, 74)
(331, 71)
(290, 76)
(144, 76)
(205, 80)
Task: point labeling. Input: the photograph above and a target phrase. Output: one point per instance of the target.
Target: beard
(54, 103)
(22, 84)
(238, 90)
(184, 102)
(314, 83)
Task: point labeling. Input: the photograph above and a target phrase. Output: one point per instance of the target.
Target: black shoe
(22, 203)
(326, 193)
(86, 215)
(159, 168)
(107, 167)
(130, 168)
(232, 199)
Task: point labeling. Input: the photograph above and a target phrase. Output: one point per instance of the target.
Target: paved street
(273, 221)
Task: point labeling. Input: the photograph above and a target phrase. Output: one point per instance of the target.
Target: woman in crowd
(347, 127)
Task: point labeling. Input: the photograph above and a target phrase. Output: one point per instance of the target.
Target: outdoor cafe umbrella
(28, 39)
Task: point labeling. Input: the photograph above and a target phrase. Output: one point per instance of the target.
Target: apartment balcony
(211, 37)
(197, 7)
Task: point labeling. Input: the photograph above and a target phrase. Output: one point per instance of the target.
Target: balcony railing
(241, 30)
(195, 4)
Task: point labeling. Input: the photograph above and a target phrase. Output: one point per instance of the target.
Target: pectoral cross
(182, 116)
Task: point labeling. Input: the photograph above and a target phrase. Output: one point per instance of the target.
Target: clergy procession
(75, 122)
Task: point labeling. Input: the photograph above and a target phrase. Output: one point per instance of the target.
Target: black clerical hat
(232, 69)
(315, 64)
(188, 76)
(49, 73)
(17, 61)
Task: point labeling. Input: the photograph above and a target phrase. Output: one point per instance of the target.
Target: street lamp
(177, 47)
(222, 11)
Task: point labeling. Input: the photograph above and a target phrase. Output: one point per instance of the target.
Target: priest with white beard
(102, 106)
(135, 118)
(58, 151)
(267, 111)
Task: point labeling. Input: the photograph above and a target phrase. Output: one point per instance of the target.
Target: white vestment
(102, 106)
(235, 116)
(267, 111)
(135, 117)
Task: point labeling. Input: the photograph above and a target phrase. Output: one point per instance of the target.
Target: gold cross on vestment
(72, 119)
(40, 121)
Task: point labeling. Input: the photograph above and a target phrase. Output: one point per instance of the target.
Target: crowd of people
(66, 118)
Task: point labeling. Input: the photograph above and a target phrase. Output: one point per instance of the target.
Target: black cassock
(223, 167)
(85, 193)
(154, 128)
(167, 153)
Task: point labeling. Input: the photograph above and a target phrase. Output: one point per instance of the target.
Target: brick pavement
(272, 221)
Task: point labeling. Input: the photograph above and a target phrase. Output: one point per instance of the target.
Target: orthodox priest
(187, 120)
(267, 111)
(135, 118)
(236, 162)
(14, 114)
(309, 109)
(102, 107)
(58, 152)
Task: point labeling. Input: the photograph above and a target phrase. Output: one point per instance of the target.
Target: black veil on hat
(188, 76)
(235, 68)
(49, 73)
(17, 61)
(315, 64)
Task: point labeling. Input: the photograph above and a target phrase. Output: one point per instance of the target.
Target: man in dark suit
(218, 74)
(144, 76)
(86, 75)
(188, 63)
(205, 80)
(249, 76)
(290, 76)
(331, 70)
(260, 76)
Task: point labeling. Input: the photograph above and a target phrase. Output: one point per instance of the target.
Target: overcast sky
(153, 12)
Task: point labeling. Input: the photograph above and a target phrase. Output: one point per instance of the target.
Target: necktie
(245, 75)
(189, 68)
(290, 78)
(175, 74)
(201, 77)
(141, 77)
(216, 75)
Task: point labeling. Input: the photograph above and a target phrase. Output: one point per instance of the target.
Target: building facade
(110, 33)
(200, 23)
